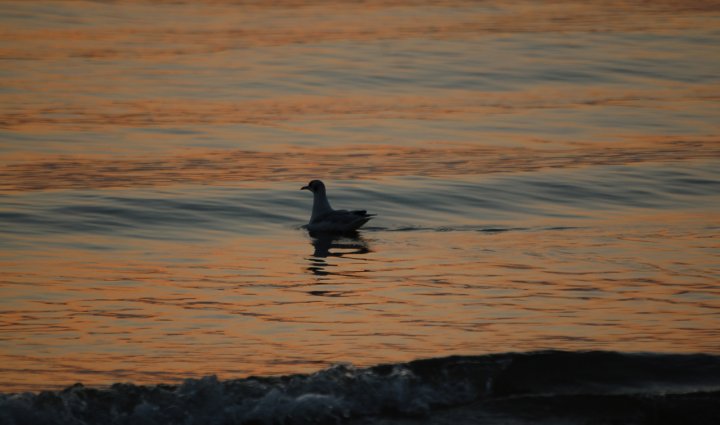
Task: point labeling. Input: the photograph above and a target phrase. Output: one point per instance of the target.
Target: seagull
(327, 220)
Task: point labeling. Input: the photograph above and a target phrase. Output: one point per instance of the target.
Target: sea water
(545, 177)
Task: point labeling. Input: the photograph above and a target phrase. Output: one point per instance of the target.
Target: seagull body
(327, 220)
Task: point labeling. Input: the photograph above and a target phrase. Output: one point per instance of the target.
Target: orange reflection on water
(82, 112)
(40, 172)
(276, 304)
(125, 95)
(220, 26)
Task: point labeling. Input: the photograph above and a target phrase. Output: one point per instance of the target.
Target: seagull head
(314, 186)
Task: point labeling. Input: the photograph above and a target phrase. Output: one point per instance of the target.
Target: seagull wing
(341, 220)
(362, 213)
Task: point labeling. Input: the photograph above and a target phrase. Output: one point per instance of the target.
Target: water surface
(545, 176)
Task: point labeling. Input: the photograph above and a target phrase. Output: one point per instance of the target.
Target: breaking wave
(536, 387)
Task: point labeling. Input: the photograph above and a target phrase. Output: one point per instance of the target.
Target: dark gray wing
(343, 217)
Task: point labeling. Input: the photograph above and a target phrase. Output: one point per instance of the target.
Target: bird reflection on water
(334, 245)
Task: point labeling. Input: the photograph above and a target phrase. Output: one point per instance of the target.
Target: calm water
(545, 174)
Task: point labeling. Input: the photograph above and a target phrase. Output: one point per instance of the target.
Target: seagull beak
(305, 188)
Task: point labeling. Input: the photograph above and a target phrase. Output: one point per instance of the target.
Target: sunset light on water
(545, 174)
